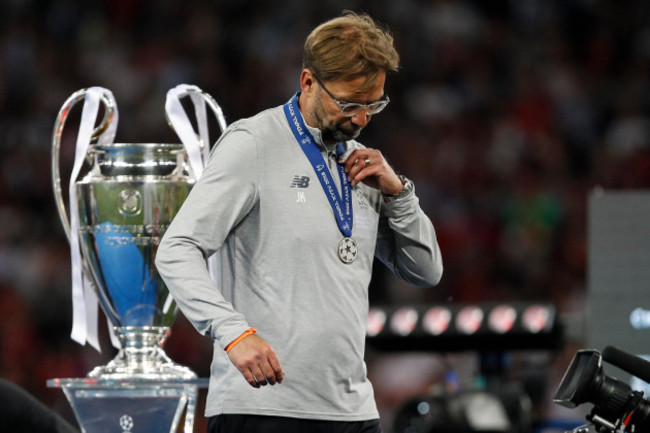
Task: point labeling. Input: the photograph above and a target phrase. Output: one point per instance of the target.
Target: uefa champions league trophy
(119, 211)
(124, 204)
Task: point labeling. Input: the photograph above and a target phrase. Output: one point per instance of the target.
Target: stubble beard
(333, 132)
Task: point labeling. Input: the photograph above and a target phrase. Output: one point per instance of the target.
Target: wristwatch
(408, 188)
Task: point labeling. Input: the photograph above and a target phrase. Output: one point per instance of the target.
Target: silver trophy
(125, 202)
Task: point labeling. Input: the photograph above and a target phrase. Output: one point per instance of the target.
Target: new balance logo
(300, 182)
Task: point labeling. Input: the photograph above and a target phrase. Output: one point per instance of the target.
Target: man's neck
(302, 106)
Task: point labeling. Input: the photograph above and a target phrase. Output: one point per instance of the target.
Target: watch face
(408, 187)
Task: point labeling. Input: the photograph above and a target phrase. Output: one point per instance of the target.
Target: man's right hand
(257, 361)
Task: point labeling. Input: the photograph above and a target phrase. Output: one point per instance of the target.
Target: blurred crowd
(505, 113)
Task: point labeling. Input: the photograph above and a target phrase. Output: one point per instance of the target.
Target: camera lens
(615, 403)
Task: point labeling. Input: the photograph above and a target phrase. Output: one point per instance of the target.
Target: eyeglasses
(350, 109)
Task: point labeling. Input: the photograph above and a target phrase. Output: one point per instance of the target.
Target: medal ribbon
(341, 203)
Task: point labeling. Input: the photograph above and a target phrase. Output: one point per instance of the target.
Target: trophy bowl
(124, 203)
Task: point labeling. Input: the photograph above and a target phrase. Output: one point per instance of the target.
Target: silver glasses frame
(351, 109)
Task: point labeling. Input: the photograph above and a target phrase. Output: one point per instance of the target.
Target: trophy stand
(131, 405)
(140, 390)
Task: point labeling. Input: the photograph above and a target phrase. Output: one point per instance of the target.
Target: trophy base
(132, 405)
(142, 357)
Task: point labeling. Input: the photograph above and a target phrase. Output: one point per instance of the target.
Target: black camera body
(617, 408)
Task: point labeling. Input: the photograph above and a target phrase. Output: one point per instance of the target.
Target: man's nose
(361, 118)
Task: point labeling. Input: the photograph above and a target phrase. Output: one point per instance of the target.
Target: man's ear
(307, 82)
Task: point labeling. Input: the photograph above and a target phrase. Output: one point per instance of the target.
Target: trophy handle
(212, 103)
(79, 95)
(214, 106)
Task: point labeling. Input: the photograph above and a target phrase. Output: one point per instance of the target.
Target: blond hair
(348, 47)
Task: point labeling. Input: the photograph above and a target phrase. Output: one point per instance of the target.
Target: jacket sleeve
(407, 243)
(223, 196)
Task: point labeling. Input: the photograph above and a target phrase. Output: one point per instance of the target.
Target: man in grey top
(296, 211)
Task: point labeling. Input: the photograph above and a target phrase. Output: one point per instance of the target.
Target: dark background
(506, 114)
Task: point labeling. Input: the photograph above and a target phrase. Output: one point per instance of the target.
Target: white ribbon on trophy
(84, 298)
(196, 146)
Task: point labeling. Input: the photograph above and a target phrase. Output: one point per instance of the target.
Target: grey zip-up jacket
(260, 206)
